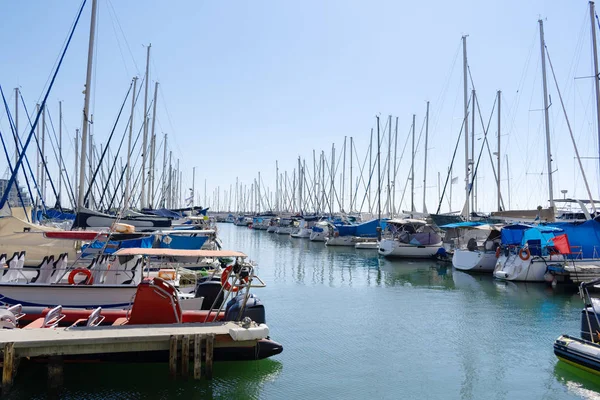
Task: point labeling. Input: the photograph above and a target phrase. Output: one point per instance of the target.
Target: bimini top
(137, 251)
(406, 221)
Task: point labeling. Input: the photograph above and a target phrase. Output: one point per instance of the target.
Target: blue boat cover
(461, 224)
(366, 229)
(182, 242)
(583, 237)
(111, 247)
(519, 234)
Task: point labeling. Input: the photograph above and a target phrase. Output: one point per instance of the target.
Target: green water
(355, 327)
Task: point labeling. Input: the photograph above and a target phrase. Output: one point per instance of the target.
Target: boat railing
(587, 302)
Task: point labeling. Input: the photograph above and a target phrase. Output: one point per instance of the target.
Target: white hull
(367, 245)
(394, 249)
(271, 229)
(340, 241)
(513, 268)
(304, 233)
(83, 296)
(474, 261)
(284, 230)
(317, 236)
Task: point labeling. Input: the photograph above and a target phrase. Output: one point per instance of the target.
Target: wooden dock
(187, 340)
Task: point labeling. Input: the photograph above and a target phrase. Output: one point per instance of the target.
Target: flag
(561, 242)
(454, 180)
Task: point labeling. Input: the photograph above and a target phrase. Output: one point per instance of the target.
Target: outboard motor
(210, 289)
(255, 310)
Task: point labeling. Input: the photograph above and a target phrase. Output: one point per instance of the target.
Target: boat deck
(72, 341)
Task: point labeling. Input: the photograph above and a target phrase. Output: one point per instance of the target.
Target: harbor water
(354, 326)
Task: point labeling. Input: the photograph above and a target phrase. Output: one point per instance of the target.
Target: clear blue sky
(246, 83)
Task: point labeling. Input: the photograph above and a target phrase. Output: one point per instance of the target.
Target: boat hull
(317, 236)
(75, 296)
(394, 249)
(474, 261)
(340, 241)
(579, 353)
(303, 233)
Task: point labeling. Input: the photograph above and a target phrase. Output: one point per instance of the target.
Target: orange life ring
(87, 281)
(225, 282)
(498, 252)
(524, 250)
(336, 234)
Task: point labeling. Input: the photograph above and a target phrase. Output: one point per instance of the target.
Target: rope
(13, 176)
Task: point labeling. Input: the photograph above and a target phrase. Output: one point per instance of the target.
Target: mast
(194, 185)
(596, 73)
(466, 121)
(472, 169)
(128, 166)
(508, 180)
(351, 154)
(370, 168)
(389, 162)
(60, 159)
(344, 172)
(425, 168)
(17, 125)
(546, 116)
(498, 154)
(164, 173)
(76, 163)
(43, 156)
(152, 150)
(395, 169)
(86, 107)
(378, 178)
(412, 169)
(276, 186)
(332, 188)
(145, 140)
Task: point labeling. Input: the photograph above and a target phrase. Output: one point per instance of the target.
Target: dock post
(173, 356)
(185, 355)
(197, 356)
(55, 373)
(210, 340)
(8, 367)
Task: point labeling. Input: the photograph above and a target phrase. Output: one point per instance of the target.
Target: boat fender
(225, 280)
(336, 234)
(524, 254)
(89, 279)
(498, 250)
(548, 277)
(254, 333)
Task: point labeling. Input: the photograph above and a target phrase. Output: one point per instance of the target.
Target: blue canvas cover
(111, 247)
(182, 242)
(583, 237)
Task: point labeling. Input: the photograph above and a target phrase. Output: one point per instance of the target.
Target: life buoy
(225, 280)
(336, 234)
(524, 254)
(498, 250)
(87, 281)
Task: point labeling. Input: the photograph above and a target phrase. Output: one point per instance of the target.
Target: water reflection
(120, 381)
(577, 381)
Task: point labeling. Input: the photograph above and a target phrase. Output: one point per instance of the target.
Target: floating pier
(185, 344)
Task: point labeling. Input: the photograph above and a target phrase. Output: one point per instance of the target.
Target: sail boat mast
(596, 73)
(466, 123)
(86, 106)
(546, 115)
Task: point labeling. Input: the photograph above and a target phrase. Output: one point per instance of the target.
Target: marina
(178, 242)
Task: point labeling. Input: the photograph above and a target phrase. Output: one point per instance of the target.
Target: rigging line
(452, 162)
(11, 171)
(65, 43)
(587, 186)
(93, 178)
(116, 16)
(118, 42)
(12, 179)
(60, 161)
(26, 158)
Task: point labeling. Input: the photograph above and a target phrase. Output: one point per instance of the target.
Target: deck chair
(9, 275)
(51, 319)
(95, 319)
(45, 270)
(58, 268)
